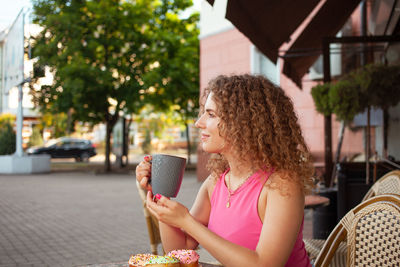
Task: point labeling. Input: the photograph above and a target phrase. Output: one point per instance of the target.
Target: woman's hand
(143, 173)
(167, 211)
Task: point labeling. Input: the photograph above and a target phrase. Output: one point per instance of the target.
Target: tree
(101, 54)
(177, 85)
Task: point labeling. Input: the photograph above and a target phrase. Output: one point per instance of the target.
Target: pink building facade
(228, 51)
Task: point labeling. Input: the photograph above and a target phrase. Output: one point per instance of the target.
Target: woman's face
(208, 122)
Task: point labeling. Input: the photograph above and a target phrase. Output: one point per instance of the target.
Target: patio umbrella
(270, 23)
(307, 47)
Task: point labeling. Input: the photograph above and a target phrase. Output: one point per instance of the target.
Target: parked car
(66, 147)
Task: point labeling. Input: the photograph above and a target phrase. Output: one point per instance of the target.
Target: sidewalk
(75, 218)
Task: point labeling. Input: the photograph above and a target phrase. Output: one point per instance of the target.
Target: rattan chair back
(152, 222)
(371, 231)
(387, 184)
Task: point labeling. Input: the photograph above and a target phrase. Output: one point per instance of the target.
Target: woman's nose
(199, 123)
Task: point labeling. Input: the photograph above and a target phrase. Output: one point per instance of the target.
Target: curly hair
(259, 121)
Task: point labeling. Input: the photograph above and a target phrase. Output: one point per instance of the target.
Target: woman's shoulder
(284, 182)
(209, 183)
(284, 176)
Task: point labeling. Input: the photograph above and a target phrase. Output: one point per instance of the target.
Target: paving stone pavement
(71, 219)
(75, 218)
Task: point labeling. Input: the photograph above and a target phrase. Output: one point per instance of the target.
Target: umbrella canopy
(328, 21)
(270, 23)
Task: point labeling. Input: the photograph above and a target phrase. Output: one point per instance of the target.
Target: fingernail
(146, 157)
(158, 196)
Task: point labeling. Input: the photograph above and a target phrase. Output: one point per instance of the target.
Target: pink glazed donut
(187, 257)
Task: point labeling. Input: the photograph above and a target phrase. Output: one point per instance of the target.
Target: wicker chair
(371, 232)
(152, 223)
(387, 184)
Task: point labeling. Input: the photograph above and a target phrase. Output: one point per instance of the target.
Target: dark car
(66, 147)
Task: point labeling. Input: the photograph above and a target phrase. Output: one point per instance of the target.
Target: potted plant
(377, 86)
(371, 86)
(324, 218)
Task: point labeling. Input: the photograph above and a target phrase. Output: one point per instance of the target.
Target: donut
(139, 260)
(187, 257)
(163, 261)
(150, 260)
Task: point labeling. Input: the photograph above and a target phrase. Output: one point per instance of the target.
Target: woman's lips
(204, 137)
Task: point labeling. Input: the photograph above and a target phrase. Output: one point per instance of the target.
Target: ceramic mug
(167, 174)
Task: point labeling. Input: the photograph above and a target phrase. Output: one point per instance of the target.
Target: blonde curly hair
(259, 121)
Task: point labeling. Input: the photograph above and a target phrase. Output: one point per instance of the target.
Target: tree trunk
(338, 150)
(108, 147)
(126, 148)
(189, 148)
(368, 144)
(385, 132)
(69, 121)
(122, 159)
(110, 122)
(328, 149)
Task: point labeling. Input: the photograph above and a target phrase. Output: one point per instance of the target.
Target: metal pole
(363, 62)
(20, 118)
(19, 152)
(328, 118)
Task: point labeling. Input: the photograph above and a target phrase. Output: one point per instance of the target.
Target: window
(260, 64)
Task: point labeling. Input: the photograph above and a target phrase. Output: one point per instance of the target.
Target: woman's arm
(173, 237)
(283, 217)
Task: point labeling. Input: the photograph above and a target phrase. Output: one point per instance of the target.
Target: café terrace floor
(75, 218)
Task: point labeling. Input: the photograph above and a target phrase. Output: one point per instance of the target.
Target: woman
(250, 210)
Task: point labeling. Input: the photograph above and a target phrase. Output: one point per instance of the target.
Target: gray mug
(167, 174)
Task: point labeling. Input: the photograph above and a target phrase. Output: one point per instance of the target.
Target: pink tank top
(244, 227)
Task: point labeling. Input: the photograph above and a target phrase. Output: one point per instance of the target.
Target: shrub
(344, 97)
(320, 94)
(7, 139)
(36, 137)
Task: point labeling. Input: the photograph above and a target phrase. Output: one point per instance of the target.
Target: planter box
(325, 218)
(352, 186)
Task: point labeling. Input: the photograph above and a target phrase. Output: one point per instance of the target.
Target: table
(315, 201)
(125, 264)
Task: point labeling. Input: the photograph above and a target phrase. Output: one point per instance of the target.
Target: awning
(268, 24)
(305, 50)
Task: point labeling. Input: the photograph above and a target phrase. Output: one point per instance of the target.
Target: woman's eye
(211, 115)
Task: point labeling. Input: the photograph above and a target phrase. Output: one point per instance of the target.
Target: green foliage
(372, 86)
(36, 138)
(320, 94)
(146, 145)
(107, 55)
(176, 75)
(6, 118)
(381, 85)
(7, 139)
(344, 98)
(158, 123)
(97, 51)
(60, 123)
